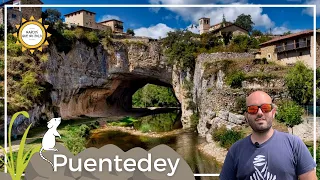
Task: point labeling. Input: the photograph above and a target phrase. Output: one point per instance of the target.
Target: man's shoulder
(287, 136)
(240, 143)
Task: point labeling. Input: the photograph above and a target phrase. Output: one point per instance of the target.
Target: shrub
(79, 33)
(226, 137)
(70, 35)
(74, 139)
(299, 81)
(230, 137)
(29, 85)
(235, 79)
(194, 118)
(145, 128)
(240, 104)
(290, 113)
(92, 37)
(218, 133)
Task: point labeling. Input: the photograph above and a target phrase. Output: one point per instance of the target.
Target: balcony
(292, 46)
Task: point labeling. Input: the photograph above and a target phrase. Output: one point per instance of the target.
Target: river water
(184, 143)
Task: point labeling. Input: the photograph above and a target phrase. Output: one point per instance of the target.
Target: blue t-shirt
(282, 157)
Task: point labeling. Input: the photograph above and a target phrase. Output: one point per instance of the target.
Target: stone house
(289, 49)
(116, 25)
(86, 19)
(221, 28)
(15, 14)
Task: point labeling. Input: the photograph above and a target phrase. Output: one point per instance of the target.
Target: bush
(218, 133)
(145, 128)
(240, 104)
(230, 137)
(29, 85)
(92, 37)
(74, 139)
(317, 158)
(235, 79)
(70, 35)
(194, 120)
(299, 81)
(290, 113)
(226, 137)
(79, 33)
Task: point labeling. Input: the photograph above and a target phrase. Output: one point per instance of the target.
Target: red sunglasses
(265, 108)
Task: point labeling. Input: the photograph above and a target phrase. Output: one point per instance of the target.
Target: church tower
(204, 25)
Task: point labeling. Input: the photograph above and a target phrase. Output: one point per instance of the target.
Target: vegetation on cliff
(154, 96)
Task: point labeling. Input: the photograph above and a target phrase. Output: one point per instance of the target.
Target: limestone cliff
(219, 103)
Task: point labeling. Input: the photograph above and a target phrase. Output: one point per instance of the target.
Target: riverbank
(212, 149)
(133, 131)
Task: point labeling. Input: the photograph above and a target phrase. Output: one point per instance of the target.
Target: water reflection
(185, 144)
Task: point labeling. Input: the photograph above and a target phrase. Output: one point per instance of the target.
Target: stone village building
(15, 14)
(289, 49)
(220, 28)
(86, 19)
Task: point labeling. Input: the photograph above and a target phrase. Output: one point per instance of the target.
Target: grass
(22, 159)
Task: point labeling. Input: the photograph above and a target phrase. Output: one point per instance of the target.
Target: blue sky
(156, 22)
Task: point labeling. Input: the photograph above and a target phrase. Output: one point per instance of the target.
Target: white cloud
(215, 14)
(309, 11)
(108, 17)
(159, 30)
(282, 29)
(193, 28)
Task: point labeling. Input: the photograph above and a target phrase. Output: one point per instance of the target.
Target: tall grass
(16, 170)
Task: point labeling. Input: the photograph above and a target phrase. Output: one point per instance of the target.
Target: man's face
(261, 121)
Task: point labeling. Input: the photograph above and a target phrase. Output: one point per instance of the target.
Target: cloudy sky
(156, 22)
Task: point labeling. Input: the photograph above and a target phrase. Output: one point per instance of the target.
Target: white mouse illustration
(49, 138)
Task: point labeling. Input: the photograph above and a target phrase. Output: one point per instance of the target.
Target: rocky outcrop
(217, 102)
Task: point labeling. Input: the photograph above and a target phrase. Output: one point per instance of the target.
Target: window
(269, 56)
(14, 16)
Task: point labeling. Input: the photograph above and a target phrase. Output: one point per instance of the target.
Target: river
(185, 143)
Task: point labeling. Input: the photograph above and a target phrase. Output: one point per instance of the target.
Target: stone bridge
(100, 81)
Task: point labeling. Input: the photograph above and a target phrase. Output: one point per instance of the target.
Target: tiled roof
(79, 11)
(110, 20)
(287, 37)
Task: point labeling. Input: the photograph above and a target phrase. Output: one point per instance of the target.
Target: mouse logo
(49, 138)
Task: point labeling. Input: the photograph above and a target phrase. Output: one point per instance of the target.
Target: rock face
(216, 101)
(100, 81)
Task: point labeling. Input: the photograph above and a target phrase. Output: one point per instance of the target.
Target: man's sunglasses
(265, 108)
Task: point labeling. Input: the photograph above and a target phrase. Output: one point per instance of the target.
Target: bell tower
(204, 25)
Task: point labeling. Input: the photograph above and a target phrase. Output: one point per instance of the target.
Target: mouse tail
(41, 155)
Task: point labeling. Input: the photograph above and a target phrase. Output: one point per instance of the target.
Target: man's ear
(274, 112)
(246, 116)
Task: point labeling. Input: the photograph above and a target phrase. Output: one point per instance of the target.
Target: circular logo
(32, 34)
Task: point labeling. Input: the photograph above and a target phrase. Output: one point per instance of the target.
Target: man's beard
(255, 127)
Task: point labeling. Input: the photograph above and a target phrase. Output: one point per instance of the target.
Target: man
(267, 154)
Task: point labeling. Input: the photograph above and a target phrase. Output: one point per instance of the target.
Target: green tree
(287, 33)
(51, 16)
(181, 48)
(290, 113)
(130, 31)
(245, 22)
(154, 96)
(256, 32)
(299, 81)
